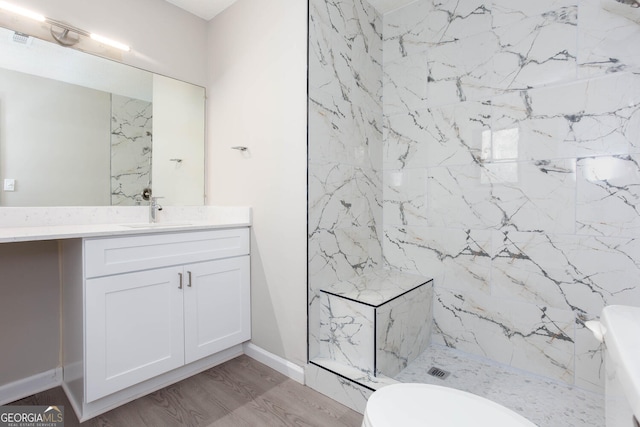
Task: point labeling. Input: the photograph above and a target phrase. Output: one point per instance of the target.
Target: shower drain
(438, 373)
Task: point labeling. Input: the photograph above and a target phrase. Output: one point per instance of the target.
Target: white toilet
(426, 405)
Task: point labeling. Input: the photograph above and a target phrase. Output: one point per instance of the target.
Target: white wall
(257, 98)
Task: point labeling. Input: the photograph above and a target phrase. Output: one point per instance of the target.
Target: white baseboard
(31, 385)
(275, 362)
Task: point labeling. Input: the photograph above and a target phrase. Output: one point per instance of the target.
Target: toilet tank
(621, 332)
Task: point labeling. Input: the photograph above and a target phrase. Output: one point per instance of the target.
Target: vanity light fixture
(63, 33)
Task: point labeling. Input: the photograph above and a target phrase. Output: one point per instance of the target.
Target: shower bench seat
(377, 322)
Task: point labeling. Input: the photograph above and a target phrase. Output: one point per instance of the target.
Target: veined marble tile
(345, 128)
(318, 332)
(326, 72)
(578, 273)
(344, 17)
(364, 379)
(343, 196)
(450, 122)
(525, 196)
(348, 64)
(333, 68)
(369, 23)
(404, 139)
(537, 338)
(543, 401)
(367, 75)
(534, 196)
(131, 130)
(405, 85)
(403, 330)
(347, 333)
(331, 196)
(457, 133)
(507, 12)
(462, 198)
(453, 19)
(410, 30)
(586, 118)
(349, 393)
(377, 287)
(608, 201)
(439, 136)
(459, 259)
(336, 255)
(343, 132)
(376, 322)
(535, 50)
(339, 254)
(450, 32)
(590, 369)
(607, 41)
(462, 69)
(422, 24)
(405, 197)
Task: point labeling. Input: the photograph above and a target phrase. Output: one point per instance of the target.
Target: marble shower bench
(374, 325)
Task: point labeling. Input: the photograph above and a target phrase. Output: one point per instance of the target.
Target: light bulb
(21, 11)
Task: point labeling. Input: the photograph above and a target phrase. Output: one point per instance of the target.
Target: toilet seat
(410, 405)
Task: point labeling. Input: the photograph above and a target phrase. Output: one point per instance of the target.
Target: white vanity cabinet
(156, 304)
(134, 329)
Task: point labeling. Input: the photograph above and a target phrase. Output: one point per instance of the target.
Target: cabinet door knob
(189, 274)
(180, 285)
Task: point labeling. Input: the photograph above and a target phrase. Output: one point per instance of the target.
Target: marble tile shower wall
(131, 138)
(512, 173)
(345, 152)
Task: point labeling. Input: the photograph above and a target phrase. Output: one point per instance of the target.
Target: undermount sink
(157, 224)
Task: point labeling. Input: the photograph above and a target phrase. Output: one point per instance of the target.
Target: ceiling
(207, 9)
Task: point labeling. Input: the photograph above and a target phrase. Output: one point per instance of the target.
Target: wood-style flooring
(240, 392)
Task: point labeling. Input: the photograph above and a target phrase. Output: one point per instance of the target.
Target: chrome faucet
(153, 207)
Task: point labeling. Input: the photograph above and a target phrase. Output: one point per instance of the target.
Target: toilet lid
(410, 405)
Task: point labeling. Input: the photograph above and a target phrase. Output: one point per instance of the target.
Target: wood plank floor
(240, 392)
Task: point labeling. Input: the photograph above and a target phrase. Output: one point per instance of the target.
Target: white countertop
(54, 232)
(69, 223)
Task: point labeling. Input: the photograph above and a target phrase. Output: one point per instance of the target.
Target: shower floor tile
(545, 402)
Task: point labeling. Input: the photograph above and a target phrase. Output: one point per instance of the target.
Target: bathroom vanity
(146, 305)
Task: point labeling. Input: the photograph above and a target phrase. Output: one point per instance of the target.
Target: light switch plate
(9, 184)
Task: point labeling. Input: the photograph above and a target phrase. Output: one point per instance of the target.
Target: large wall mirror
(81, 130)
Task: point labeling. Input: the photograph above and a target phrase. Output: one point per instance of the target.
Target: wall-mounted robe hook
(176, 160)
(240, 148)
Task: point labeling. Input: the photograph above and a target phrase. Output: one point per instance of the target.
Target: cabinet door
(134, 329)
(217, 306)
